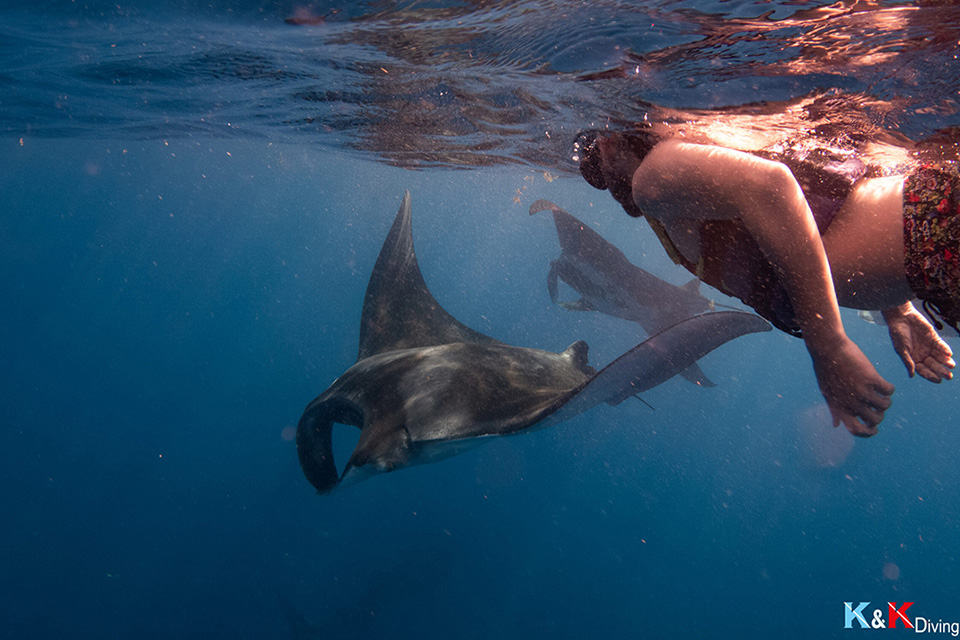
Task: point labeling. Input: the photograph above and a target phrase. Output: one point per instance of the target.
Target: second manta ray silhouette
(425, 386)
(611, 284)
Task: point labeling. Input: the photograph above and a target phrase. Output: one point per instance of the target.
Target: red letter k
(896, 614)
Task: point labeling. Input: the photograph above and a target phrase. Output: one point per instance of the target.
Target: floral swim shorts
(931, 234)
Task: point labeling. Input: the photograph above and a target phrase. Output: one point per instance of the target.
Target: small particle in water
(891, 571)
(288, 433)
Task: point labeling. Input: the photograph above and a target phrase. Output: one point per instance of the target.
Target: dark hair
(591, 164)
(608, 160)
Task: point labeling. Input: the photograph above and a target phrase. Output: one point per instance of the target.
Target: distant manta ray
(425, 386)
(611, 284)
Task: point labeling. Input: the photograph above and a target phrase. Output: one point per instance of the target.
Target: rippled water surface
(472, 83)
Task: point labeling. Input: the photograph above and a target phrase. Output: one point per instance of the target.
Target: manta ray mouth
(315, 440)
(352, 475)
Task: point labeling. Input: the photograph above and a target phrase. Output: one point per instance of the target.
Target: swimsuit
(731, 260)
(931, 235)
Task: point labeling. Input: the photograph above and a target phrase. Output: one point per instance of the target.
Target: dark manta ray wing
(695, 374)
(399, 312)
(612, 284)
(580, 241)
(658, 359)
(553, 288)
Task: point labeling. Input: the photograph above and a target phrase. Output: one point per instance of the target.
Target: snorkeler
(796, 229)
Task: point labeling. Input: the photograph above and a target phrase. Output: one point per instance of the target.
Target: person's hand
(855, 393)
(917, 343)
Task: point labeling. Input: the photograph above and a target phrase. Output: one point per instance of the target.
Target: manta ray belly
(466, 390)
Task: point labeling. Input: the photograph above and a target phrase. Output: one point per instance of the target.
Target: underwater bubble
(823, 444)
(891, 571)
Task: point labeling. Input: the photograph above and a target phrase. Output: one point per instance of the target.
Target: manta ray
(609, 283)
(425, 386)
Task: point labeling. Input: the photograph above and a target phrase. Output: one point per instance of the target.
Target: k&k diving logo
(896, 618)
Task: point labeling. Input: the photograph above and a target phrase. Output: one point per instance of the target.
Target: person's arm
(678, 181)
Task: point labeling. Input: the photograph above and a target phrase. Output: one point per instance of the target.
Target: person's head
(608, 160)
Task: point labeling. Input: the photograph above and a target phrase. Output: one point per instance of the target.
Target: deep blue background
(170, 308)
(183, 258)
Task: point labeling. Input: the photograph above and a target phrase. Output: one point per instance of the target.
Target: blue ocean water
(193, 199)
